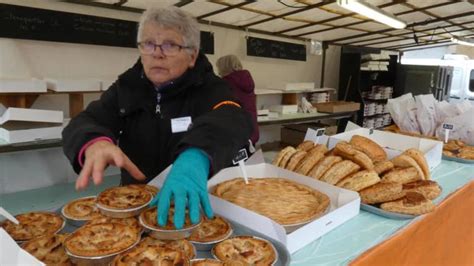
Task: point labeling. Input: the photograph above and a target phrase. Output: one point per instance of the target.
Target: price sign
(447, 128)
(241, 156)
(319, 133)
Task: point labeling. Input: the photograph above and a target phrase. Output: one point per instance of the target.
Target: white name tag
(180, 124)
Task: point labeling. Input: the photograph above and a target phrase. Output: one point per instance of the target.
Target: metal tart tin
(124, 213)
(96, 261)
(169, 234)
(194, 261)
(206, 246)
(74, 221)
(255, 237)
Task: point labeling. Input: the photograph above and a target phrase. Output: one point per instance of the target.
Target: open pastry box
(394, 144)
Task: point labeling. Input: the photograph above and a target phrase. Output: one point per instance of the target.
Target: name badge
(180, 124)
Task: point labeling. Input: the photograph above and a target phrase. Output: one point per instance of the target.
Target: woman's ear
(193, 57)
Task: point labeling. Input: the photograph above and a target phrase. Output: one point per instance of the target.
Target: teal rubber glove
(186, 185)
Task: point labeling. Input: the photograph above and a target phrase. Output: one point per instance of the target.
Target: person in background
(230, 68)
(168, 108)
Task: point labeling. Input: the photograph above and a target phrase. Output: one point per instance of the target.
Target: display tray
(386, 214)
(283, 253)
(456, 159)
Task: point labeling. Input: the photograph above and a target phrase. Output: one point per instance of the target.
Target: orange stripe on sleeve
(225, 103)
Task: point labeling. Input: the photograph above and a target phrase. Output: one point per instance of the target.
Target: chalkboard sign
(275, 49)
(21, 22)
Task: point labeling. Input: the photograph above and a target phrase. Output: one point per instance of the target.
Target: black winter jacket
(127, 113)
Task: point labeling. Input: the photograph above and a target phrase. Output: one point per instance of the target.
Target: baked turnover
(210, 230)
(48, 249)
(152, 251)
(98, 240)
(247, 249)
(81, 209)
(34, 224)
(148, 218)
(130, 221)
(282, 200)
(121, 198)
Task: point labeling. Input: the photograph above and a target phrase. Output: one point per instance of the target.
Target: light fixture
(463, 41)
(372, 12)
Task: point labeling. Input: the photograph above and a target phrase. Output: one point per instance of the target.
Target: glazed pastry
(295, 160)
(247, 249)
(211, 230)
(413, 203)
(33, 224)
(323, 165)
(453, 145)
(382, 192)
(283, 157)
(99, 240)
(305, 145)
(130, 221)
(429, 189)
(148, 218)
(405, 161)
(49, 249)
(152, 189)
(81, 209)
(346, 151)
(359, 180)
(320, 148)
(338, 171)
(402, 175)
(309, 161)
(207, 262)
(419, 157)
(383, 167)
(282, 200)
(123, 198)
(375, 152)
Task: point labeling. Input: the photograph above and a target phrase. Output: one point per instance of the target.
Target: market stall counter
(366, 239)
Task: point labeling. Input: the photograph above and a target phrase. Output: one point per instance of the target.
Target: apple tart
(122, 198)
(148, 218)
(99, 240)
(247, 249)
(130, 221)
(82, 209)
(211, 230)
(48, 249)
(34, 224)
(282, 200)
(152, 189)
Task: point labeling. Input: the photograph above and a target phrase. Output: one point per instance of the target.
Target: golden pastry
(277, 161)
(48, 249)
(413, 203)
(375, 152)
(466, 153)
(152, 189)
(123, 198)
(419, 157)
(130, 221)
(402, 175)
(338, 171)
(405, 161)
(148, 217)
(33, 224)
(247, 249)
(428, 188)
(319, 148)
(82, 209)
(383, 167)
(309, 161)
(359, 180)
(382, 192)
(282, 200)
(295, 160)
(211, 230)
(323, 165)
(453, 145)
(305, 145)
(346, 151)
(207, 262)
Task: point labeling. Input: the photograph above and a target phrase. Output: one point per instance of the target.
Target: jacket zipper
(158, 106)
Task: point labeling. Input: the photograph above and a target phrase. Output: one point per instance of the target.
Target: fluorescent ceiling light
(463, 41)
(372, 12)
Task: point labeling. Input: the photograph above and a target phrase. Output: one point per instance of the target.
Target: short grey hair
(228, 64)
(174, 18)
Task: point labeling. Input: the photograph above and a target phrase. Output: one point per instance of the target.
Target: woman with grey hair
(168, 108)
(243, 87)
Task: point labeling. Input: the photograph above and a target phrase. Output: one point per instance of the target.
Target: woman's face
(158, 67)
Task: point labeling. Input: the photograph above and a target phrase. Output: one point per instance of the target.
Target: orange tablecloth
(443, 237)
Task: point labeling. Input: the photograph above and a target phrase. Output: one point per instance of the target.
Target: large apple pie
(211, 230)
(280, 199)
(101, 240)
(160, 252)
(34, 224)
(81, 209)
(122, 198)
(247, 249)
(49, 249)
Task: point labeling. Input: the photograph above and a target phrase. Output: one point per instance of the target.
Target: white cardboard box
(29, 115)
(284, 109)
(22, 85)
(13, 134)
(12, 254)
(73, 85)
(394, 144)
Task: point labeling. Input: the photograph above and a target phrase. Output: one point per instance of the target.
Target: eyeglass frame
(181, 47)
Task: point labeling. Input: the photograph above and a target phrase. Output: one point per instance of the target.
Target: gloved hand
(186, 184)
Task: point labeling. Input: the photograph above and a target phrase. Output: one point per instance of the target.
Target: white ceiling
(299, 19)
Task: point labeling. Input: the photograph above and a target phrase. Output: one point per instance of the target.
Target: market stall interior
(365, 123)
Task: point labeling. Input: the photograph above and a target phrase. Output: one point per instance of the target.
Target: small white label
(241, 156)
(180, 124)
(448, 126)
